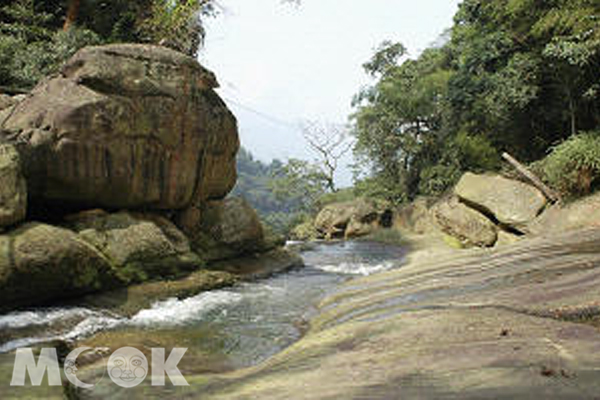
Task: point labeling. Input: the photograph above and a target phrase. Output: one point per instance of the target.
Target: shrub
(24, 64)
(436, 179)
(574, 165)
(475, 153)
(341, 196)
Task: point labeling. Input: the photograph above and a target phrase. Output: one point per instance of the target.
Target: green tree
(515, 75)
(398, 121)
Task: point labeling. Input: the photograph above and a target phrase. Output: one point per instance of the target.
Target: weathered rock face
(13, 189)
(415, 217)
(464, 223)
(127, 126)
(6, 101)
(579, 214)
(351, 219)
(139, 246)
(39, 263)
(512, 203)
(225, 229)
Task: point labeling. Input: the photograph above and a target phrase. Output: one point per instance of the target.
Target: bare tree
(331, 142)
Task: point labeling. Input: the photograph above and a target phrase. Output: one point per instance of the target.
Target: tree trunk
(534, 180)
(72, 14)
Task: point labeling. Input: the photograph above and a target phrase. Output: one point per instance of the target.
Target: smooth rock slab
(511, 202)
(519, 322)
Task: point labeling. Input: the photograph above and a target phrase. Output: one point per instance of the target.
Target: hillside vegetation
(511, 75)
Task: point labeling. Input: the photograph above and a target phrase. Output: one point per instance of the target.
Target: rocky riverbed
(225, 329)
(518, 322)
(512, 322)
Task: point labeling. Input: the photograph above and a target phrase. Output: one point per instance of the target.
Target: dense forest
(513, 75)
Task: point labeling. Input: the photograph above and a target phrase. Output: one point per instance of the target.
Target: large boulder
(469, 226)
(224, 229)
(13, 189)
(580, 214)
(126, 126)
(512, 203)
(415, 217)
(39, 263)
(352, 219)
(139, 246)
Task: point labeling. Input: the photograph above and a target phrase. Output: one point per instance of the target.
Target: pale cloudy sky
(279, 65)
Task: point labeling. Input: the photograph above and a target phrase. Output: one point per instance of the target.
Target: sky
(279, 64)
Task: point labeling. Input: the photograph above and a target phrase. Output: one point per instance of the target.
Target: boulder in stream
(126, 126)
(352, 219)
(39, 262)
(224, 229)
(139, 246)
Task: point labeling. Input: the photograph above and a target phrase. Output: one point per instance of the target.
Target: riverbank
(511, 322)
(224, 329)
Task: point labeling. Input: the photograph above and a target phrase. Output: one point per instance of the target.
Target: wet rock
(258, 266)
(39, 263)
(126, 126)
(140, 246)
(512, 203)
(352, 219)
(224, 229)
(13, 189)
(130, 300)
(464, 223)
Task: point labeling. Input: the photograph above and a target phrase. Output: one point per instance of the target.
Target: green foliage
(436, 179)
(23, 21)
(474, 153)
(388, 236)
(176, 24)
(515, 75)
(33, 43)
(574, 165)
(285, 195)
(385, 58)
(341, 196)
(397, 124)
(23, 64)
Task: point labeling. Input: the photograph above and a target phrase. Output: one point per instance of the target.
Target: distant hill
(254, 177)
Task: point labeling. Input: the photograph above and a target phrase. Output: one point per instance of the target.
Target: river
(238, 326)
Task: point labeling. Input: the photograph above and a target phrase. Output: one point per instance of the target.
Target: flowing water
(244, 324)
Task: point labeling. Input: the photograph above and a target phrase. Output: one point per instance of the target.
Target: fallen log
(550, 194)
